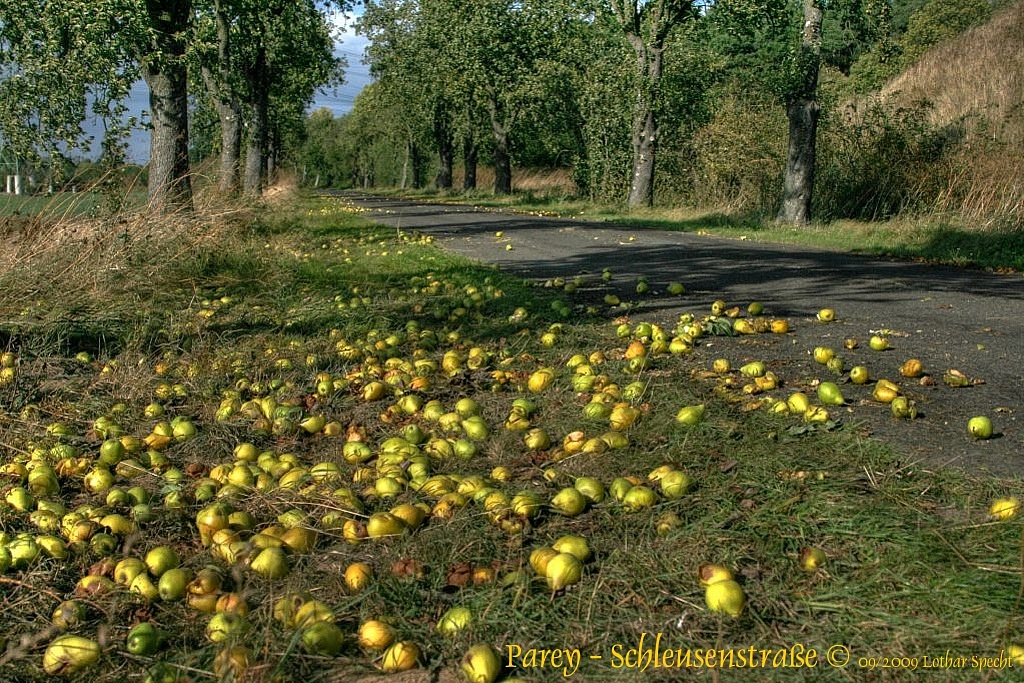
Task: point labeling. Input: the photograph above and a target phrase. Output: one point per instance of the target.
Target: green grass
(926, 238)
(61, 205)
(274, 303)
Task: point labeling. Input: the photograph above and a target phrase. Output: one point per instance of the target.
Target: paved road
(951, 317)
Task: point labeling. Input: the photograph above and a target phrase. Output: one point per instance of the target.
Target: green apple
(70, 654)
(859, 374)
(173, 584)
(569, 502)
(160, 559)
(143, 640)
(68, 614)
(454, 620)
(574, 545)
(323, 638)
(830, 394)
(564, 569)
(481, 664)
(980, 427)
(823, 354)
(878, 343)
(270, 563)
(725, 597)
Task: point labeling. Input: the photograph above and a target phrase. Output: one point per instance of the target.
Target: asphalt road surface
(947, 317)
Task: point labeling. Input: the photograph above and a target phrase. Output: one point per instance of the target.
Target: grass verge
(369, 370)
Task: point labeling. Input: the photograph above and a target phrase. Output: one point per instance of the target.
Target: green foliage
(738, 155)
(55, 56)
(940, 20)
(883, 161)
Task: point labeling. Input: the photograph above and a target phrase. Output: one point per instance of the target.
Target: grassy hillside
(973, 89)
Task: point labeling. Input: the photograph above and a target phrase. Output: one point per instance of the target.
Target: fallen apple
(811, 558)
(830, 394)
(574, 545)
(980, 427)
(401, 656)
(878, 343)
(454, 620)
(375, 634)
(323, 638)
(564, 569)
(481, 664)
(1004, 508)
(725, 597)
(70, 654)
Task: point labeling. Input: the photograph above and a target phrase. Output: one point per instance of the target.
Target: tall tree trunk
(645, 125)
(256, 142)
(502, 163)
(470, 150)
(445, 147)
(225, 102)
(163, 68)
(273, 153)
(798, 181)
(802, 110)
(416, 159)
(646, 26)
(229, 113)
(502, 157)
(469, 161)
(404, 182)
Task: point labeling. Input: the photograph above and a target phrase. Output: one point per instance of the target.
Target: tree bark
(502, 156)
(445, 147)
(646, 26)
(645, 125)
(798, 182)
(163, 68)
(229, 109)
(256, 141)
(416, 158)
(469, 161)
(802, 110)
(502, 163)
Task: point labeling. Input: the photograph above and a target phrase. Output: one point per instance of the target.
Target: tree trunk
(163, 68)
(445, 147)
(502, 158)
(798, 183)
(645, 139)
(229, 110)
(802, 111)
(645, 125)
(502, 164)
(469, 161)
(230, 117)
(416, 160)
(256, 142)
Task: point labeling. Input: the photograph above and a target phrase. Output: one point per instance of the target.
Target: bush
(739, 155)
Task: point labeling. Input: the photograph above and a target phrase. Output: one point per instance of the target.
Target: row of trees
(256, 63)
(566, 82)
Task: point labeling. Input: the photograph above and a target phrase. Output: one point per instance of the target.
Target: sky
(339, 100)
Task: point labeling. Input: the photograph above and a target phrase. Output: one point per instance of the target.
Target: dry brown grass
(974, 87)
(541, 181)
(978, 74)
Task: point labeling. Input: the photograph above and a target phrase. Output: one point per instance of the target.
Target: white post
(17, 184)
(9, 179)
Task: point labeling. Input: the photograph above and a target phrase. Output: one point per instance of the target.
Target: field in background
(247, 323)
